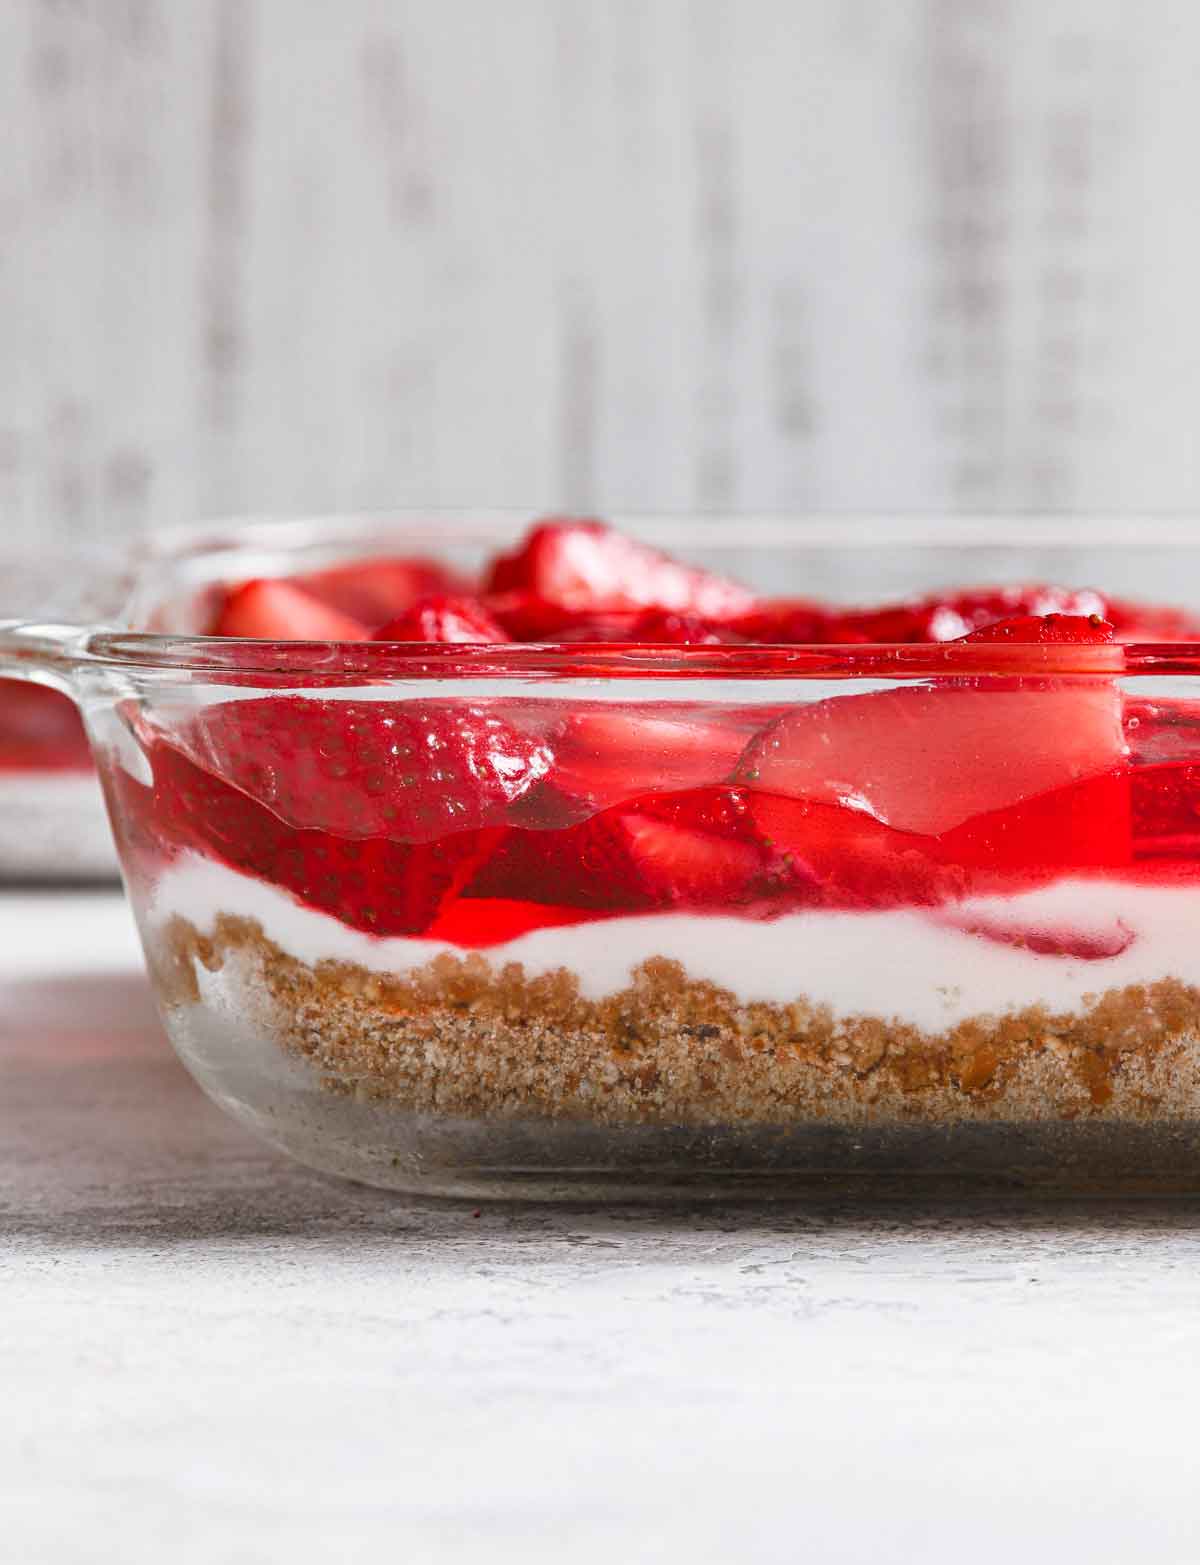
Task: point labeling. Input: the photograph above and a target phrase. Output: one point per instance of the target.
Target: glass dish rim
(325, 664)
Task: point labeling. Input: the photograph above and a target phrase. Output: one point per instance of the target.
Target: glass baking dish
(383, 931)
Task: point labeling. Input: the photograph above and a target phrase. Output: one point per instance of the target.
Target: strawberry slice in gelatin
(927, 758)
(696, 849)
(378, 812)
(846, 859)
(924, 793)
(408, 770)
(605, 753)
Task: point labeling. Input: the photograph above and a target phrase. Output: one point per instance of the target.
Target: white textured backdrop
(607, 253)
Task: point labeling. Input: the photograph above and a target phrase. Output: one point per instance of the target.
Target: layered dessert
(719, 884)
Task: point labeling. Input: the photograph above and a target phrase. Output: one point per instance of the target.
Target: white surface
(928, 967)
(674, 253)
(209, 1355)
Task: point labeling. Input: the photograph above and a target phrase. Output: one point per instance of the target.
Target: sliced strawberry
(527, 617)
(606, 753)
(375, 884)
(939, 617)
(789, 621)
(443, 619)
(663, 627)
(1098, 941)
(950, 617)
(681, 867)
(925, 759)
(584, 865)
(1145, 622)
(856, 861)
(692, 849)
(851, 860)
(588, 568)
(640, 627)
(381, 589)
(1057, 630)
(701, 847)
(410, 771)
(281, 611)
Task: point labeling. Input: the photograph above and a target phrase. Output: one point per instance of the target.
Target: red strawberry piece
(676, 866)
(597, 628)
(606, 753)
(443, 619)
(936, 618)
(849, 859)
(1144, 622)
(281, 611)
(410, 771)
(587, 567)
(666, 628)
(381, 589)
(859, 862)
(1070, 630)
(528, 617)
(702, 848)
(584, 865)
(40, 729)
(1096, 942)
(925, 759)
(694, 849)
(639, 627)
(950, 617)
(377, 812)
(789, 621)
(374, 884)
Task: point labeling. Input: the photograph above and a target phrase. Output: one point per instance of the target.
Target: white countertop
(208, 1354)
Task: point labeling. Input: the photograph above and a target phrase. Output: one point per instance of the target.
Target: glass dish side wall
(928, 947)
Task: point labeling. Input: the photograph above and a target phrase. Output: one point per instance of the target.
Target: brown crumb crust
(460, 1036)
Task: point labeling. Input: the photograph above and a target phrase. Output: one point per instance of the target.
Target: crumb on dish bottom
(461, 1037)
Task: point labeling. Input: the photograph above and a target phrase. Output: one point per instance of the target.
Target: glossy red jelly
(476, 820)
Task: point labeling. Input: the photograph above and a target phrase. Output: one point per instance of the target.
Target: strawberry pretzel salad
(947, 892)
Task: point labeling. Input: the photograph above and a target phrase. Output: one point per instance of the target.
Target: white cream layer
(908, 964)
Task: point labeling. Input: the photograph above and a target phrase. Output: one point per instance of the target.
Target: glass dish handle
(44, 653)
